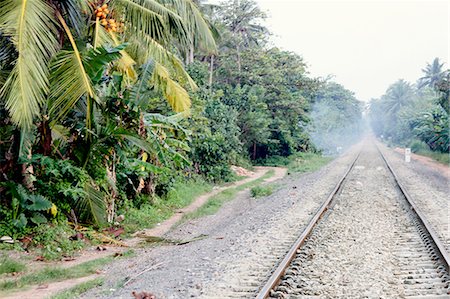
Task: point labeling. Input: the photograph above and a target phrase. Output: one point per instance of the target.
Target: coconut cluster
(106, 20)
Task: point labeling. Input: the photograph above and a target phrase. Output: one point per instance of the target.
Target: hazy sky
(367, 45)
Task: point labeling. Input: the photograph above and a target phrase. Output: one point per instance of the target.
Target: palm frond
(144, 48)
(69, 83)
(30, 26)
(176, 96)
(150, 17)
(69, 80)
(125, 64)
(71, 11)
(139, 88)
(198, 28)
(96, 60)
(93, 203)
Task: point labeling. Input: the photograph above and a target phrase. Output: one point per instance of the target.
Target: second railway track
(370, 243)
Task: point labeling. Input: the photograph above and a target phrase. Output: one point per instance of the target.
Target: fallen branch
(191, 240)
(142, 272)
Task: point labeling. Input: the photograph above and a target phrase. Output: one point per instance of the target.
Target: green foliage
(9, 265)
(418, 146)
(261, 191)
(210, 156)
(25, 209)
(299, 162)
(406, 113)
(72, 186)
(433, 129)
(53, 241)
(155, 210)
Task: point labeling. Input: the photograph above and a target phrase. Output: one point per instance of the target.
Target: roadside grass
(79, 289)
(443, 158)
(160, 209)
(9, 265)
(216, 201)
(299, 162)
(53, 274)
(307, 162)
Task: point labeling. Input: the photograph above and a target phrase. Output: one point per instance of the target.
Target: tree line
(105, 105)
(415, 115)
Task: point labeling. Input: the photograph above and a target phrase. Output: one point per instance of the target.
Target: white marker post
(407, 155)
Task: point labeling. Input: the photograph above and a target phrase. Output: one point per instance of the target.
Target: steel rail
(274, 279)
(282, 266)
(442, 252)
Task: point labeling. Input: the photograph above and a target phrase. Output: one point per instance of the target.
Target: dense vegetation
(415, 115)
(108, 107)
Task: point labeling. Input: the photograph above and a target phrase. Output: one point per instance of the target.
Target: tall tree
(433, 74)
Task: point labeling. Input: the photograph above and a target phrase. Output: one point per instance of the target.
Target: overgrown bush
(25, 210)
(260, 191)
(417, 146)
(54, 241)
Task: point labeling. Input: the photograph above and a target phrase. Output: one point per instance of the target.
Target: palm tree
(397, 96)
(433, 74)
(242, 19)
(51, 58)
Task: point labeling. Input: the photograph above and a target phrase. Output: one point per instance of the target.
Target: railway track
(368, 240)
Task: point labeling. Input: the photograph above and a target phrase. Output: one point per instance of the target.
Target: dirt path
(442, 168)
(166, 226)
(47, 290)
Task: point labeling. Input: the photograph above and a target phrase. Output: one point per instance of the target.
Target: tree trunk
(45, 135)
(27, 172)
(191, 53)
(254, 150)
(238, 62)
(111, 173)
(211, 69)
(143, 134)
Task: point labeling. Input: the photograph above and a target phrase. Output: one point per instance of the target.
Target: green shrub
(53, 241)
(417, 146)
(25, 209)
(260, 191)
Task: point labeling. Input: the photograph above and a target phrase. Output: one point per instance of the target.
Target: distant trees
(336, 117)
(407, 114)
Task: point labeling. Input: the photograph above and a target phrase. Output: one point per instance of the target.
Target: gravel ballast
(368, 245)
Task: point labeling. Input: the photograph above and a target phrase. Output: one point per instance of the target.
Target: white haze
(366, 45)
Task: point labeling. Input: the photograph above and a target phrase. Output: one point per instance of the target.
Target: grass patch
(260, 191)
(307, 162)
(8, 265)
(160, 209)
(51, 274)
(298, 163)
(443, 158)
(77, 290)
(216, 201)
